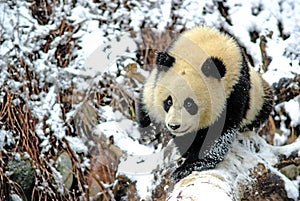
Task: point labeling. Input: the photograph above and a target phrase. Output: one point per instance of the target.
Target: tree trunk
(247, 173)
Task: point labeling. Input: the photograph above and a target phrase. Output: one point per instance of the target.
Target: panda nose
(174, 126)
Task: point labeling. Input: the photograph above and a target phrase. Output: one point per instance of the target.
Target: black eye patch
(190, 106)
(168, 103)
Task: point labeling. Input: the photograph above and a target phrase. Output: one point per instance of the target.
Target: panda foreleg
(141, 115)
(215, 155)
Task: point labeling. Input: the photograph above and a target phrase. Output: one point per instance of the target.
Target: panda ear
(164, 61)
(213, 67)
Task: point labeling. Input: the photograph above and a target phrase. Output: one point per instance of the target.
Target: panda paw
(180, 173)
(187, 169)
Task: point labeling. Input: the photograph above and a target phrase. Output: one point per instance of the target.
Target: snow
(15, 197)
(92, 39)
(280, 65)
(107, 55)
(293, 107)
(77, 145)
(6, 138)
(291, 188)
(202, 187)
(101, 46)
(140, 160)
(121, 138)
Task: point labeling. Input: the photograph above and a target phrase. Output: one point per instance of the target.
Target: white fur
(257, 94)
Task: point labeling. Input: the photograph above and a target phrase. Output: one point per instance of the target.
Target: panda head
(188, 89)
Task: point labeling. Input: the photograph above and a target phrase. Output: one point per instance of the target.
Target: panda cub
(204, 92)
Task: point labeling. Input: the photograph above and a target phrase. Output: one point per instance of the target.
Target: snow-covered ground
(101, 44)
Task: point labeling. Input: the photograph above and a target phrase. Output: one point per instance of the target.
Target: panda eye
(168, 103)
(190, 106)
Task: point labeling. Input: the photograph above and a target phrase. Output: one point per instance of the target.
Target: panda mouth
(181, 132)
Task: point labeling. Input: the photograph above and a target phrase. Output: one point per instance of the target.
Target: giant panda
(204, 92)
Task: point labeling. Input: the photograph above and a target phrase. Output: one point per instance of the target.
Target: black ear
(213, 67)
(164, 61)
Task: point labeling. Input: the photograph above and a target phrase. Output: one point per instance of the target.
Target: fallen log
(247, 173)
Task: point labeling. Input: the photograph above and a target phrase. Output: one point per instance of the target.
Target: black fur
(211, 158)
(164, 61)
(213, 67)
(239, 100)
(142, 115)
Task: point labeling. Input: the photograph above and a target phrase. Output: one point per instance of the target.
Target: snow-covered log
(247, 173)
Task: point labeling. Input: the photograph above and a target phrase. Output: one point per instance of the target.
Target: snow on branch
(247, 173)
(286, 89)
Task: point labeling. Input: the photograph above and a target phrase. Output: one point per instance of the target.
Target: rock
(23, 174)
(65, 167)
(291, 171)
